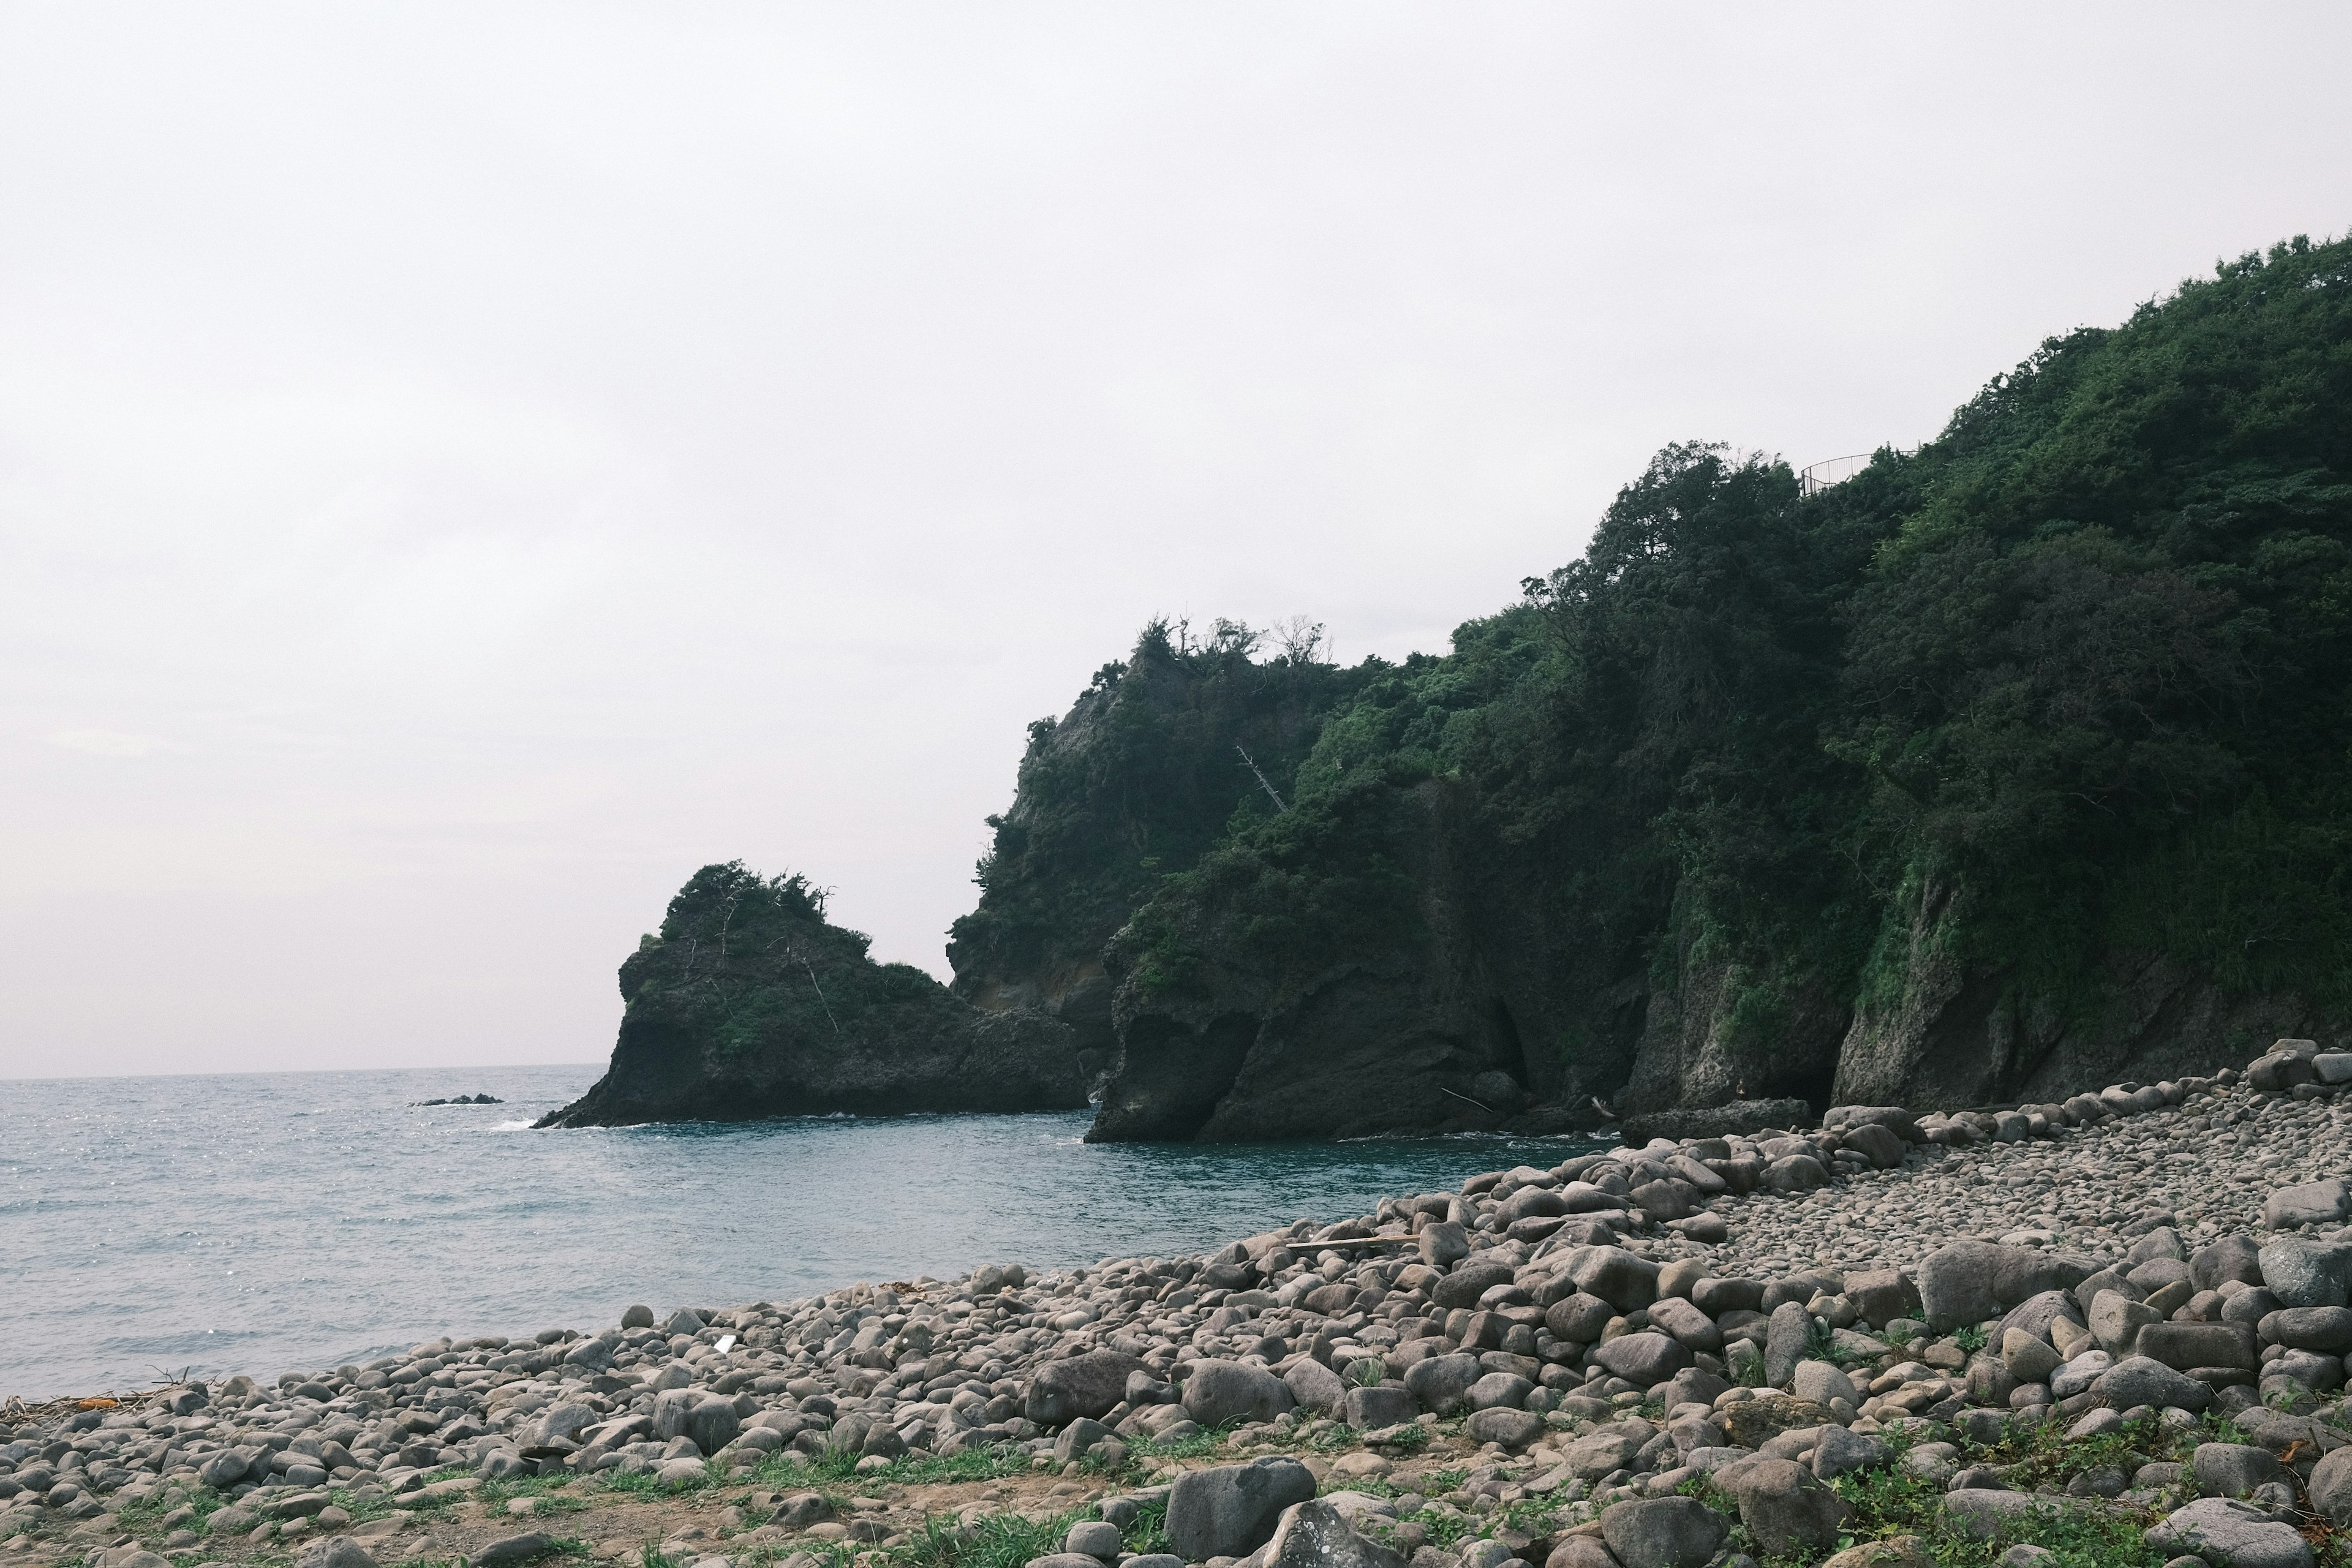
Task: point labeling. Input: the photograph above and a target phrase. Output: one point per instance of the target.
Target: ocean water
(286, 1222)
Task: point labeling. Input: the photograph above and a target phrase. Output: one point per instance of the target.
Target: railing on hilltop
(1821, 476)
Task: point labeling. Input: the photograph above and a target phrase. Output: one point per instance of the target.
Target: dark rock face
(1419, 1018)
(749, 1004)
(1957, 1036)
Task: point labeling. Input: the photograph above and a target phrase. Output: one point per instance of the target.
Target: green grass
(1971, 1339)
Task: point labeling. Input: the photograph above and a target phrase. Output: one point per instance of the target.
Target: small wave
(523, 1126)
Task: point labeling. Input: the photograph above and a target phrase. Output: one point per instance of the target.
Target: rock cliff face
(750, 1004)
(1150, 763)
(1416, 1023)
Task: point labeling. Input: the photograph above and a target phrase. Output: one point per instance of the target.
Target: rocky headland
(2006, 765)
(2105, 1330)
(749, 1004)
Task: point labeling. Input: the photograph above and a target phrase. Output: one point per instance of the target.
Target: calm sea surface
(285, 1221)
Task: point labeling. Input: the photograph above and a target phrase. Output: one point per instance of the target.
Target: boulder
(1880, 1296)
(1512, 1429)
(1314, 1386)
(1467, 1284)
(2185, 1346)
(1230, 1510)
(1837, 1451)
(1602, 1451)
(1442, 1383)
(1318, 1535)
(2312, 1203)
(1785, 1507)
(2305, 1273)
(1626, 1282)
(1078, 1385)
(1821, 1381)
(2331, 1487)
(1499, 1391)
(2141, 1380)
(1956, 1285)
(1220, 1391)
(1786, 1334)
(1377, 1408)
(2326, 1328)
(2232, 1469)
(1663, 1532)
(2231, 1534)
(1641, 1359)
(2231, 1257)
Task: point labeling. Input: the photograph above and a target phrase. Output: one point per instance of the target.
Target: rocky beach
(2105, 1330)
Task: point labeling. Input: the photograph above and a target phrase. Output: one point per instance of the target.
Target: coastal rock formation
(1535, 1365)
(749, 1004)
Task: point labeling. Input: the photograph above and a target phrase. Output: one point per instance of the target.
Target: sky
(463, 467)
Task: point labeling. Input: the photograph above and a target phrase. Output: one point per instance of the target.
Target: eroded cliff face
(1962, 1034)
(1427, 1031)
(1471, 1019)
(750, 1004)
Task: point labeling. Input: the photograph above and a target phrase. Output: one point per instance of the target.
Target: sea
(156, 1228)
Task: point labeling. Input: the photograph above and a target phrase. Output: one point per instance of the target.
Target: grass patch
(1971, 1339)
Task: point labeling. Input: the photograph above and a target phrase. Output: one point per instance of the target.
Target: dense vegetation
(1151, 765)
(2069, 681)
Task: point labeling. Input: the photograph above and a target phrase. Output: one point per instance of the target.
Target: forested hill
(2011, 766)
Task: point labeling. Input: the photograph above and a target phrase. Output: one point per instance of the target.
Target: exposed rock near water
(749, 1004)
(2126, 1312)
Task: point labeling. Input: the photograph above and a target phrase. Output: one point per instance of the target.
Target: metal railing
(1821, 476)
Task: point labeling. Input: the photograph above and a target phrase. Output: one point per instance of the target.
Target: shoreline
(1696, 1314)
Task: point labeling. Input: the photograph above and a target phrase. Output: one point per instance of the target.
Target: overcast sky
(462, 468)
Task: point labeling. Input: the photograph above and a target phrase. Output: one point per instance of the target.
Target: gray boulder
(2234, 1256)
(1230, 1510)
(1314, 1387)
(1442, 1383)
(1616, 1275)
(1217, 1392)
(2141, 1380)
(1095, 1538)
(2325, 1329)
(1513, 1429)
(1078, 1385)
(1318, 1535)
(1785, 1507)
(1786, 1334)
(1642, 1359)
(1838, 1451)
(1499, 1390)
(2313, 1202)
(335, 1552)
(2331, 1487)
(2231, 1534)
(1663, 1532)
(2303, 1273)
(1467, 1284)
(1373, 1409)
(2232, 1469)
(514, 1549)
(2185, 1346)
(1880, 1296)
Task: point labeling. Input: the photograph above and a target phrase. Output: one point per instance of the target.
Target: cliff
(2011, 762)
(749, 1004)
(1151, 765)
